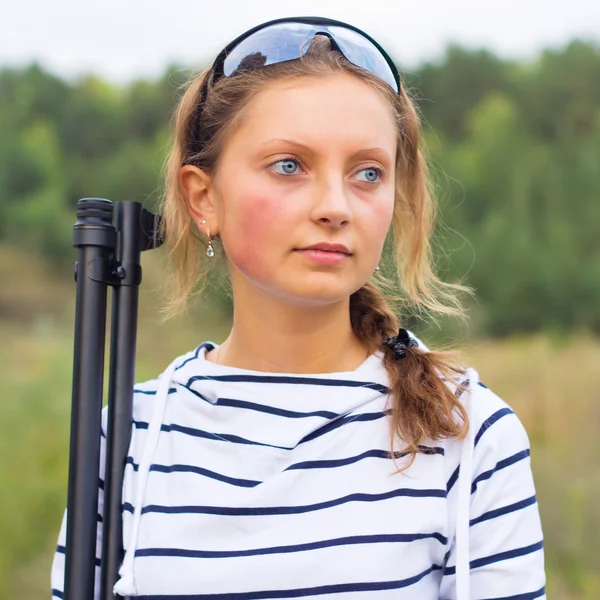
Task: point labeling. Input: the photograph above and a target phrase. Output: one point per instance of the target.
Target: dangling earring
(210, 251)
(377, 268)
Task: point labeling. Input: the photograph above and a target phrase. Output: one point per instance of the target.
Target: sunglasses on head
(289, 38)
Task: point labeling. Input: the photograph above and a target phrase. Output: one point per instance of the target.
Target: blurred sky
(125, 39)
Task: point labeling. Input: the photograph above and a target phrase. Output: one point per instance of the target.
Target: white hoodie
(247, 485)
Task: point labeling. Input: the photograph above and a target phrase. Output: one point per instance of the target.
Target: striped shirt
(254, 485)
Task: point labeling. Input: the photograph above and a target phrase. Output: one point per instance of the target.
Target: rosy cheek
(259, 228)
(384, 220)
(381, 217)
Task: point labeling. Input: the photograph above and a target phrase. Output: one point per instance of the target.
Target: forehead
(339, 109)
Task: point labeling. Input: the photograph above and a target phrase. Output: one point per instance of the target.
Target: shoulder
(499, 435)
(500, 446)
(145, 392)
(491, 413)
(491, 416)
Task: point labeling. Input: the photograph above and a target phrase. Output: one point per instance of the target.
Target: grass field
(552, 386)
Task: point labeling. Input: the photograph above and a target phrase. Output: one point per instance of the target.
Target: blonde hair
(422, 404)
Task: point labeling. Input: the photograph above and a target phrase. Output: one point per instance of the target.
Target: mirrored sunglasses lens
(288, 41)
(273, 44)
(360, 51)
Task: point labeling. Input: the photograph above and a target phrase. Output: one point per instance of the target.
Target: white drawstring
(125, 586)
(464, 495)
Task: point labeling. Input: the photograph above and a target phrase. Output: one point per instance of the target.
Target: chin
(300, 286)
(319, 292)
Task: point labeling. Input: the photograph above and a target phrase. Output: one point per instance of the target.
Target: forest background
(515, 149)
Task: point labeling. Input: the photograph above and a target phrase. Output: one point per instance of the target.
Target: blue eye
(287, 165)
(372, 174)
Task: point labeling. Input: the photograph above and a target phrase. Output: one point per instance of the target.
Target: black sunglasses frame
(217, 68)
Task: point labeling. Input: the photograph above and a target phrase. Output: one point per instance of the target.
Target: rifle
(108, 255)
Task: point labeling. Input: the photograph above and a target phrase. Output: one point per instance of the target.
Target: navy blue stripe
(57, 594)
(345, 541)
(312, 464)
(423, 450)
(236, 439)
(498, 512)
(340, 462)
(461, 387)
(287, 510)
(339, 588)
(446, 557)
(195, 355)
(153, 392)
(62, 550)
(502, 464)
(291, 414)
(452, 479)
(360, 418)
(294, 380)
(247, 483)
(488, 560)
(234, 403)
(527, 596)
(484, 427)
(223, 437)
(491, 420)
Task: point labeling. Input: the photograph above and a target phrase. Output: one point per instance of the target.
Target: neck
(272, 336)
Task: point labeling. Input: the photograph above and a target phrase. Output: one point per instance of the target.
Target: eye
(372, 174)
(287, 164)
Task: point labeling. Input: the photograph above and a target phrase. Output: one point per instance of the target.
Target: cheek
(259, 223)
(384, 218)
(380, 218)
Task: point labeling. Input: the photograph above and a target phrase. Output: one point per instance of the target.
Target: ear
(198, 189)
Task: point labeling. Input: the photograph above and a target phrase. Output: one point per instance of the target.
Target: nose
(332, 204)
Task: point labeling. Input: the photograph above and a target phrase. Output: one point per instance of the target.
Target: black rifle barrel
(95, 237)
(120, 388)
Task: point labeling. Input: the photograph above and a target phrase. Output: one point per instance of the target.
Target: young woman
(320, 450)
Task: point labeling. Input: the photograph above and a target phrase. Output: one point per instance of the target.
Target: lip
(325, 253)
(326, 247)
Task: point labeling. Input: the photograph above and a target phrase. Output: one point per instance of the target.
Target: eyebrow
(311, 151)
